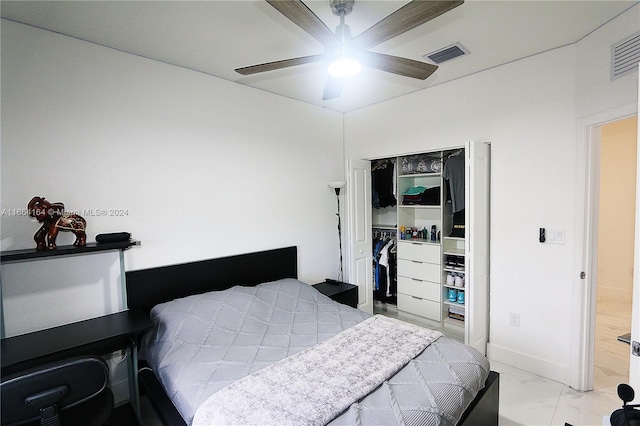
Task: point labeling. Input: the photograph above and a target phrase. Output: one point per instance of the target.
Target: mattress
(205, 342)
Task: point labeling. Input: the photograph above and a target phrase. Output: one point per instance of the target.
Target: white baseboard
(526, 362)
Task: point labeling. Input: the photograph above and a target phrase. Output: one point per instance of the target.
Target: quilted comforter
(203, 343)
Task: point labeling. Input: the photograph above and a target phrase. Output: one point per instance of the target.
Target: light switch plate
(555, 236)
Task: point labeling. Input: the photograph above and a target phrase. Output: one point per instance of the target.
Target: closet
(432, 209)
(384, 233)
(385, 254)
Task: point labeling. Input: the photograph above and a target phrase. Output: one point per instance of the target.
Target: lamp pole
(339, 231)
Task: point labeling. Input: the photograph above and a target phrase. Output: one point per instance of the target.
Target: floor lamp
(337, 186)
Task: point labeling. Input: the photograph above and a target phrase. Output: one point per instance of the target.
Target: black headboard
(148, 287)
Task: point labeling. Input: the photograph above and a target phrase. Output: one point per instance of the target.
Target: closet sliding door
(359, 222)
(478, 186)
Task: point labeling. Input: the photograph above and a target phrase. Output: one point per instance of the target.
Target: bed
(224, 325)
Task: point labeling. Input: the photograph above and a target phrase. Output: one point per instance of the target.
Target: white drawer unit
(429, 253)
(419, 306)
(419, 288)
(419, 270)
(419, 275)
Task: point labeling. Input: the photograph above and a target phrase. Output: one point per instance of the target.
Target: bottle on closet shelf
(414, 233)
(425, 233)
(433, 232)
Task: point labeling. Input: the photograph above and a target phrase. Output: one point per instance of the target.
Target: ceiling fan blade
(396, 65)
(298, 13)
(414, 13)
(333, 88)
(276, 65)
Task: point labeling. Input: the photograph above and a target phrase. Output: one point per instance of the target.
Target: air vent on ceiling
(625, 56)
(446, 54)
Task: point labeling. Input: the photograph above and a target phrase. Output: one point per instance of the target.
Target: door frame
(586, 251)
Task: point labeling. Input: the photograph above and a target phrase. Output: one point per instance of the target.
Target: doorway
(615, 251)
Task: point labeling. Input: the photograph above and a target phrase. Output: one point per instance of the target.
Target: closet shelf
(455, 322)
(420, 241)
(454, 252)
(454, 287)
(382, 226)
(418, 206)
(420, 175)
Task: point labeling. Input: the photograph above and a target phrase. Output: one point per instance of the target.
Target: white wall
(202, 167)
(530, 111)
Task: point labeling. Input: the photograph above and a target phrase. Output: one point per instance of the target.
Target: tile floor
(528, 399)
(532, 400)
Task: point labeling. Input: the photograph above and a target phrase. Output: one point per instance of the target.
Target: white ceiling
(215, 37)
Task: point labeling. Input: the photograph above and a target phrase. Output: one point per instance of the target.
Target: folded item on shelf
(414, 190)
(422, 196)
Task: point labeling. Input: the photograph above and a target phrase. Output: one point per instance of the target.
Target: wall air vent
(625, 56)
(446, 54)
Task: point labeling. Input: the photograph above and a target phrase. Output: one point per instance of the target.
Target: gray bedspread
(203, 343)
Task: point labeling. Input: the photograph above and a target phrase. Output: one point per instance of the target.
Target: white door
(477, 243)
(634, 361)
(360, 255)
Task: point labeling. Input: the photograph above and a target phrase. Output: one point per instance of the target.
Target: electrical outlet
(514, 319)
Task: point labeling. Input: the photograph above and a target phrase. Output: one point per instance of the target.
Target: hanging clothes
(453, 172)
(383, 184)
(379, 270)
(384, 267)
(392, 271)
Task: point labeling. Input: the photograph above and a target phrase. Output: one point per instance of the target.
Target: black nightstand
(340, 292)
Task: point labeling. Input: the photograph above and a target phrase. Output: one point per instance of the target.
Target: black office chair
(627, 415)
(69, 392)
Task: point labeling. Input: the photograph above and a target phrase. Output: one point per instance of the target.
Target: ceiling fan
(340, 46)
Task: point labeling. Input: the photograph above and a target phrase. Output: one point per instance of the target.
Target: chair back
(41, 392)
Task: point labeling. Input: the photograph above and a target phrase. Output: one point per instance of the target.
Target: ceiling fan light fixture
(343, 53)
(344, 67)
